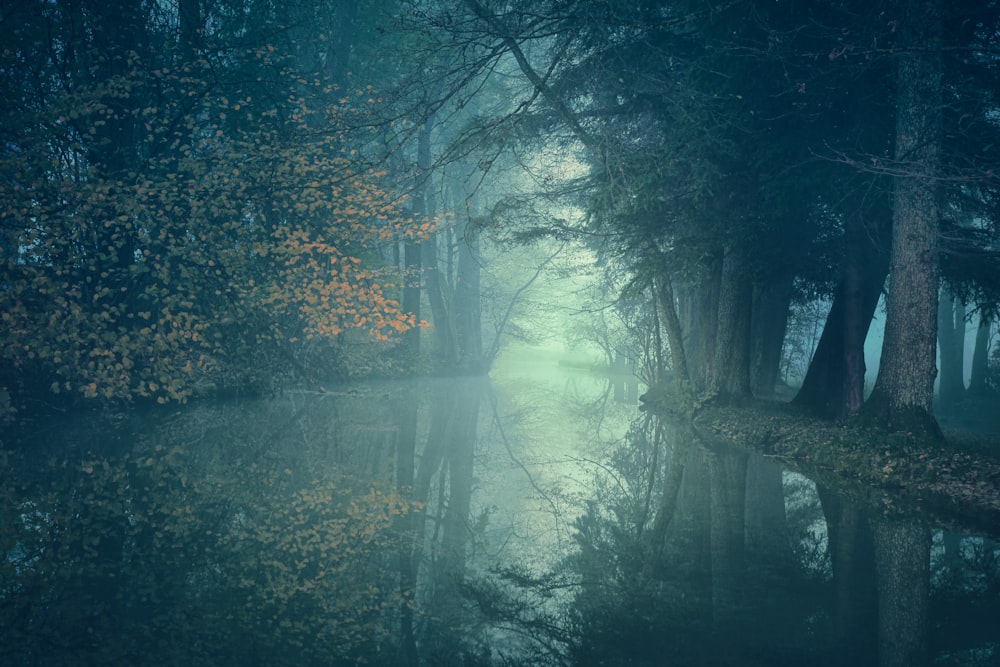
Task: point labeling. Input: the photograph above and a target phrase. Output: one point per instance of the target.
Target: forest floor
(954, 483)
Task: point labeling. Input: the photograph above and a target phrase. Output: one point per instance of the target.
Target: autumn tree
(184, 207)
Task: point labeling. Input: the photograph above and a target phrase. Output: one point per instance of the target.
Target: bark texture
(731, 376)
(672, 327)
(904, 391)
(699, 314)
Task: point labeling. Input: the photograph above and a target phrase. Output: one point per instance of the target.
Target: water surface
(536, 518)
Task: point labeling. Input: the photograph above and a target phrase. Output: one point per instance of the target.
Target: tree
(951, 351)
(186, 209)
(978, 383)
(678, 178)
(723, 144)
(904, 390)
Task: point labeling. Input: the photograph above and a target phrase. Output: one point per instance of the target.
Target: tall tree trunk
(671, 491)
(191, 28)
(412, 263)
(461, 401)
(694, 513)
(699, 312)
(731, 377)
(980, 357)
(951, 351)
(338, 53)
(904, 390)
(769, 321)
(415, 257)
(434, 281)
(445, 350)
(121, 41)
(672, 327)
(834, 384)
(467, 305)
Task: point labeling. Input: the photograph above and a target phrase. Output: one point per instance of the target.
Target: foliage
(152, 559)
(164, 218)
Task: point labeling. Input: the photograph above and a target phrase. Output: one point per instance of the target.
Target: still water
(536, 518)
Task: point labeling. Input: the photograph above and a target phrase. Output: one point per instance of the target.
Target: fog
(466, 332)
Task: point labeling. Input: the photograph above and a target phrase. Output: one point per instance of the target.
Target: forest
(217, 200)
(202, 197)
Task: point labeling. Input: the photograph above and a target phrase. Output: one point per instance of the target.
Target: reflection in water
(851, 550)
(534, 521)
(902, 572)
(180, 551)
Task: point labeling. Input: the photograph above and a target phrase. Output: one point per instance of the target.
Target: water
(535, 519)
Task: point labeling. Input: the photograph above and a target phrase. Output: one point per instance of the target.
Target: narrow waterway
(536, 518)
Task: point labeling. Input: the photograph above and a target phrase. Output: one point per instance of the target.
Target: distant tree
(979, 377)
(739, 151)
(951, 325)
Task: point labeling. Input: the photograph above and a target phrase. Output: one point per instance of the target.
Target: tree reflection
(412, 525)
(902, 567)
(692, 552)
(154, 558)
(854, 612)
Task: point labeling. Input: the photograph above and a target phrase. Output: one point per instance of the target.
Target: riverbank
(955, 482)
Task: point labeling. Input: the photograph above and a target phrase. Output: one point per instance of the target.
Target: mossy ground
(954, 481)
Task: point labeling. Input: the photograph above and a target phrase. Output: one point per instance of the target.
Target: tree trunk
(699, 312)
(980, 358)
(769, 321)
(668, 502)
(675, 338)
(120, 38)
(191, 28)
(412, 280)
(467, 305)
(730, 380)
(904, 390)
(450, 568)
(694, 526)
(951, 351)
(445, 351)
(411, 295)
(834, 384)
(338, 53)
(434, 281)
